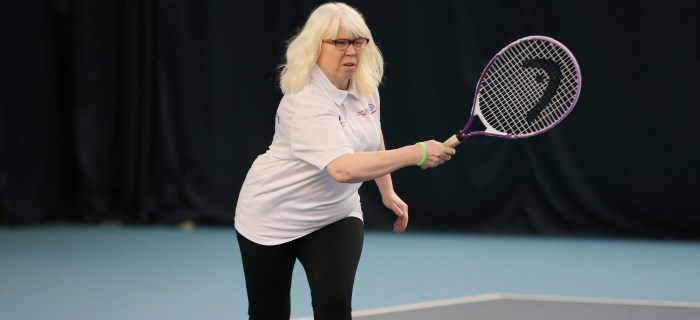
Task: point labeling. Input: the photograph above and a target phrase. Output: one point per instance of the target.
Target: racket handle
(454, 140)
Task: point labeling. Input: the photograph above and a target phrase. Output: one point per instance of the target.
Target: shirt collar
(337, 95)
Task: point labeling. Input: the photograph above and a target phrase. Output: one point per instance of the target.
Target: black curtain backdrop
(151, 112)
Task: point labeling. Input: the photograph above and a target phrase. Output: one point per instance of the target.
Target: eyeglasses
(343, 44)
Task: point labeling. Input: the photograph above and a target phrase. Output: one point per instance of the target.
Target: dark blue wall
(152, 111)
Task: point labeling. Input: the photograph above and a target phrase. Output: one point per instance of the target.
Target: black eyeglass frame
(344, 44)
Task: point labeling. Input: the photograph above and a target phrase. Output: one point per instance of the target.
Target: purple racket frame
(461, 135)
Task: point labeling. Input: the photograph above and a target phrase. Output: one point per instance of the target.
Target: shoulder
(309, 99)
(375, 96)
(373, 99)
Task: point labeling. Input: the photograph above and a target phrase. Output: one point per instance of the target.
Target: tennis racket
(530, 86)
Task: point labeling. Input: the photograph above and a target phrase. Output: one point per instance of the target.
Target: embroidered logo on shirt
(371, 109)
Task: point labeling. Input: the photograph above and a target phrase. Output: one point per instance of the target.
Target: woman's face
(339, 66)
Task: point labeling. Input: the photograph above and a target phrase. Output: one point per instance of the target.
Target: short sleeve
(317, 136)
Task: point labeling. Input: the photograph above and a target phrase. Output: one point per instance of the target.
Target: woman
(300, 199)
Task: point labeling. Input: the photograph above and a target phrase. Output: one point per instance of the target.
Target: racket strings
(523, 98)
(526, 93)
(529, 88)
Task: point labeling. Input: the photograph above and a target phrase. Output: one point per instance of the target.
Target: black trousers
(329, 256)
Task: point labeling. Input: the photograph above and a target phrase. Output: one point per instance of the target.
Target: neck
(342, 84)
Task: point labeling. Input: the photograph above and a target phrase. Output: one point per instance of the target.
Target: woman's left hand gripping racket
(526, 89)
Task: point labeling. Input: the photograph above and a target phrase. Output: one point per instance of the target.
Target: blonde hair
(325, 23)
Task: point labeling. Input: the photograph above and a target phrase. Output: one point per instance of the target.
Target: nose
(350, 50)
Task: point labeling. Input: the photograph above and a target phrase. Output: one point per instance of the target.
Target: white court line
(426, 305)
(634, 302)
(509, 296)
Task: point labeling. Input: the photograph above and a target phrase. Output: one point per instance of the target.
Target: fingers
(401, 223)
(438, 154)
(401, 211)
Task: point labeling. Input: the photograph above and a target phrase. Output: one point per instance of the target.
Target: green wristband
(424, 157)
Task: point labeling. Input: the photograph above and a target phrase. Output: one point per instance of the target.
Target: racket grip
(454, 140)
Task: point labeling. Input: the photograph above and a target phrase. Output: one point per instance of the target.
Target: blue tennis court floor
(79, 272)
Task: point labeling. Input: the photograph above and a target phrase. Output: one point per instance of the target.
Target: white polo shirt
(288, 193)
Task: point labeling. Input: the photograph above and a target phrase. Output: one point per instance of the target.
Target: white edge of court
(522, 297)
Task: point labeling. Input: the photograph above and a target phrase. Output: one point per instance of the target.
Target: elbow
(341, 173)
(340, 176)
(344, 170)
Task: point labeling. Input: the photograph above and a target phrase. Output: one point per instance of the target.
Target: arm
(384, 183)
(364, 166)
(390, 199)
(377, 165)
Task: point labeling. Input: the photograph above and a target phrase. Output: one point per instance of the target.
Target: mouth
(350, 64)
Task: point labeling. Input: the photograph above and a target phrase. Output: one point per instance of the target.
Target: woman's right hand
(437, 154)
